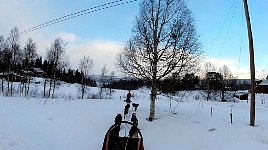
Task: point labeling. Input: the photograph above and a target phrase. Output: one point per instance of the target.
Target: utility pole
(252, 65)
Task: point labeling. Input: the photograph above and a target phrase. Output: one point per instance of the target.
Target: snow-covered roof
(241, 93)
(39, 70)
(264, 82)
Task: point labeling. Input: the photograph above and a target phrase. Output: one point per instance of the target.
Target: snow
(182, 122)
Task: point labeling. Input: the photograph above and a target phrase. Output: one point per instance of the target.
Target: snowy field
(184, 122)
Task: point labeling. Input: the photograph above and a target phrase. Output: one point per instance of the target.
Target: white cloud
(13, 13)
(230, 63)
(102, 52)
(68, 37)
(221, 62)
(24, 15)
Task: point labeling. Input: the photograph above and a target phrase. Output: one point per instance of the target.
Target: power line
(221, 28)
(241, 38)
(227, 33)
(77, 14)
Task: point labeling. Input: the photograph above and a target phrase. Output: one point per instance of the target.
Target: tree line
(17, 62)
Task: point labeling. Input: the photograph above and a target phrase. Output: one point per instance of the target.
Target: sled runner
(113, 140)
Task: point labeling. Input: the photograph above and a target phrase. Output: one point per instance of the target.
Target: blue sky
(102, 34)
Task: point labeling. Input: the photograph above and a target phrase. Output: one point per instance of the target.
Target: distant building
(241, 95)
(262, 87)
(12, 77)
(38, 72)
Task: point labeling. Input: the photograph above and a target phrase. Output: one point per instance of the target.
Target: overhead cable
(77, 14)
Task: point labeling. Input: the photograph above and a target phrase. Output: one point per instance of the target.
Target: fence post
(211, 111)
(231, 116)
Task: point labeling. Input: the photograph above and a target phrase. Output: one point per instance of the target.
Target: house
(262, 87)
(12, 77)
(241, 95)
(38, 72)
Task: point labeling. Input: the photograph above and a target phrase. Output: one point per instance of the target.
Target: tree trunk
(83, 87)
(152, 105)
(3, 82)
(54, 86)
(11, 86)
(2, 89)
(45, 83)
(154, 70)
(101, 93)
(208, 88)
(50, 86)
(21, 86)
(28, 88)
(222, 96)
(83, 91)
(25, 87)
(222, 93)
(27, 81)
(8, 86)
(154, 87)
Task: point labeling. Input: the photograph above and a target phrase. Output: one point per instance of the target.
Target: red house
(241, 95)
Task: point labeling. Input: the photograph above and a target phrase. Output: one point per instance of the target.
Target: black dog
(118, 119)
(126, 109)
(135, 106)
(134, 119)
(115, 131)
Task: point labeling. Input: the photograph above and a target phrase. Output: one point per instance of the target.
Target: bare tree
(86, 65)
(226, 75)
(111, 80)
(214, 82)
(6, 57)
(217, 81)
(2, 62)
(226, 72)
(29, 54)
(208, 67)
(164, 43)
(14, 45)
(57, 58)
(104, 73)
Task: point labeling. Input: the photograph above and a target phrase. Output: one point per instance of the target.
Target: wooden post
(252, 65)
(231, 116)
(211, 111)
(170, 103)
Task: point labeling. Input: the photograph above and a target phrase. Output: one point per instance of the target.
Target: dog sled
(114, 141)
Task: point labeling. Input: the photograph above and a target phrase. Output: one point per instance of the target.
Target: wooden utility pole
(252, 65)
